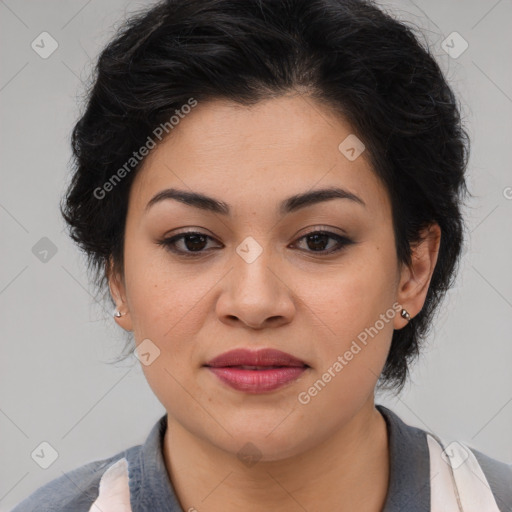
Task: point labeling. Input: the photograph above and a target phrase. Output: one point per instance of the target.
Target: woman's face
(254, 279)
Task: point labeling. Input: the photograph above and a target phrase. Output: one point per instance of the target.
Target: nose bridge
(255, 292)
(252, 270)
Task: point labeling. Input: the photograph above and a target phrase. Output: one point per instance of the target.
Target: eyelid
(305, 231)
(323, 228)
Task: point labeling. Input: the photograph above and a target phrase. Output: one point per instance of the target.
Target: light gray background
(55, 385)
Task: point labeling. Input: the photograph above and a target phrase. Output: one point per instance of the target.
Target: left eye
(319, 239)
(194, 242)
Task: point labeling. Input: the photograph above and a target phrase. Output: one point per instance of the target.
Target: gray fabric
(150, 487)
(152, 491)
(409, 476)
(499, 476)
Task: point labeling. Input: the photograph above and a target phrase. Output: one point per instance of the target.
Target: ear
(415, 279)
(118, 293)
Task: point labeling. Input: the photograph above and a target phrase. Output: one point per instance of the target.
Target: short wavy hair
(347, 54)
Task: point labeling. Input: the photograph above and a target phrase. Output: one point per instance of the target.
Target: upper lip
(262, 357)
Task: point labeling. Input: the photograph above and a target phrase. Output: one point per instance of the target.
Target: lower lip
(257, 381)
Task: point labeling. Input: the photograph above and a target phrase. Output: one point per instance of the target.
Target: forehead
(249, 155)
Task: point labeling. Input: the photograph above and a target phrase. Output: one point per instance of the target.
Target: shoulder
(437, 467)
(477, 477)
(499, 476)
(75, 490)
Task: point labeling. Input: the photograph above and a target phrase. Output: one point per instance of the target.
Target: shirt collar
(409, 480)
(150, 486)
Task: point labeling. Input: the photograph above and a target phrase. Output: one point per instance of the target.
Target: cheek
(161, 293)
(354, 340)
(352, 296)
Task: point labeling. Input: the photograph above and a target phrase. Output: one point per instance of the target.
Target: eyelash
(169, 243)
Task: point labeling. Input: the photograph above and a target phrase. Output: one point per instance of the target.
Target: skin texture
(333, 451)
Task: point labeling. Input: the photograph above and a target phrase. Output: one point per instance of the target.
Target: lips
(264, 359)
(262, 371)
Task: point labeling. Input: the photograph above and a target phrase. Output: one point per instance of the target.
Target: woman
(272, 192)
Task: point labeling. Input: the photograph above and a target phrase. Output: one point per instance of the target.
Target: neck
(347, 471)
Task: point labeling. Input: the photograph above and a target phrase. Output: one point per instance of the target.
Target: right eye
(192, 243)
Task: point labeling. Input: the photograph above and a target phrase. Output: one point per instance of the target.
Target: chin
(254, 444)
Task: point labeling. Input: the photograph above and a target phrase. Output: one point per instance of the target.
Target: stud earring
(117, 313)
(405, 314)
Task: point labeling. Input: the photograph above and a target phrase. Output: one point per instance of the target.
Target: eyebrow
(292, 204)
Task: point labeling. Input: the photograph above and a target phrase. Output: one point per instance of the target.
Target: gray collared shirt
(152, 491)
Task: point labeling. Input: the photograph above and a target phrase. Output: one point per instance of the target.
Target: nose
(255, 294)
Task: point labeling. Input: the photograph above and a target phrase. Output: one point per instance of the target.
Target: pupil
(194, 238)
(315, 240)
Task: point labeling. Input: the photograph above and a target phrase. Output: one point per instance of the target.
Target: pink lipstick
(256, 371)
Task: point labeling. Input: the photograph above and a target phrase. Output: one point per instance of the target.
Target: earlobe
(415, 278)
